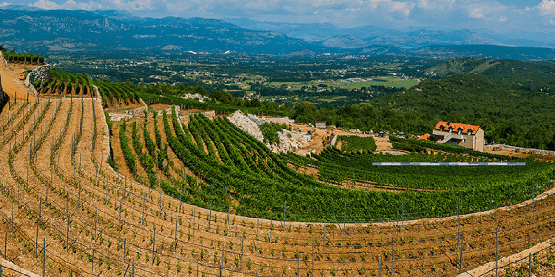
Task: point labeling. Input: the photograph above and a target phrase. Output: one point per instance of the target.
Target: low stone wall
(115, 117)
(279, 120)
(169, 110)
(523, 150)
(209, 114)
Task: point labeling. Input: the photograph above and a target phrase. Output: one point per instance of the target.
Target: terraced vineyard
(77, 85)
(65, 210)
(23, 58)
(63, 83)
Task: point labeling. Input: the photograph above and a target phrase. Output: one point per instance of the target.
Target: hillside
(509, 113)
(530, 76)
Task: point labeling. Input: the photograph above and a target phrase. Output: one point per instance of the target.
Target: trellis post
(496, 252)
(153, 244)
(210, 216)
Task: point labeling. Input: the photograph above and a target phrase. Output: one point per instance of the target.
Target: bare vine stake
(210, 216)
(193, 225)
(312, 255)
(73, 149)
(496, 252)
(120, 218)
(124, 252)
(6, 246)
(461, 259)
(95, 215)
(533, 202)
(38, 221)
(459, 222)
(160, 206)
(530, 263)
(223, 253)
(180, 197)
(333, 230)
(284, 213)
(153, 244)
(324, 243)
(271, 225)
(257, 222)
(242, 238)
(67, 215)
(43, 257)
(79, 196)
(92, 263)
(345, 218)
(50, 179)
(106, 191)
(175, 236)
(402, 214)
(143, 218)
(392, 251)
(380, 266)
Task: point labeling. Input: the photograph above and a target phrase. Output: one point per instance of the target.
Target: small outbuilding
(320, 124)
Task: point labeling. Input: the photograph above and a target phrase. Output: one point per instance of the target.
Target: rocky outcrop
(246, 124)
(288, 141)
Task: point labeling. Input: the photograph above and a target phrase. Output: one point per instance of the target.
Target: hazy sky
(499, 16)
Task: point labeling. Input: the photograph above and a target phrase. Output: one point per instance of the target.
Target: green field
(339, 83)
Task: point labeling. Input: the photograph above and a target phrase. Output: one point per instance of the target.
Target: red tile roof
(425, 137)
(457, 126)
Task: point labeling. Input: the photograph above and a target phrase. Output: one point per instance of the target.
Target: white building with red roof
(466, 135)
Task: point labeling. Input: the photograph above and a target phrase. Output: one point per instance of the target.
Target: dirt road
(11, 84)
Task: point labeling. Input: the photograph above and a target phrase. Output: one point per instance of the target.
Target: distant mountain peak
(20, 8)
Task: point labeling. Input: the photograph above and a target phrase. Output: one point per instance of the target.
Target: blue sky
(502, 16)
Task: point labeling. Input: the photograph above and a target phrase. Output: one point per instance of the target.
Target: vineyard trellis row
(96, 208)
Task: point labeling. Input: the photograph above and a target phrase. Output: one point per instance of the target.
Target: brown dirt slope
(83, 209)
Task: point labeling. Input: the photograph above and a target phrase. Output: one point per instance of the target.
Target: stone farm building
(468, 136)
(320, 124)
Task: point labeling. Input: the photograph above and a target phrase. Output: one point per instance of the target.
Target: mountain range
(28, 29)
(409, 37)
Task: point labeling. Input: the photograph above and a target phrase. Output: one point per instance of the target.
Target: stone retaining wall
(2, 94)
(4, 62)
(41, 73)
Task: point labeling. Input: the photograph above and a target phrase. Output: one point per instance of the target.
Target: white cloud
(547, 7)
(435, 4)
(503, 19)
(45, 4)
(403, 7)
(5, 4)
(476, 13)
